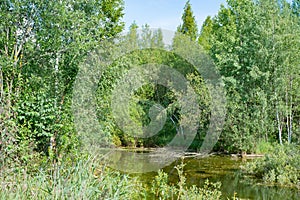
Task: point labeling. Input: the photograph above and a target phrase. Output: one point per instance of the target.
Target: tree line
(255, 47)
(253, 44)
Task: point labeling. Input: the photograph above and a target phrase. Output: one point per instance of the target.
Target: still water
(226, 170)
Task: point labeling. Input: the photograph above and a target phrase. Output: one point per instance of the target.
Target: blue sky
(166, 14)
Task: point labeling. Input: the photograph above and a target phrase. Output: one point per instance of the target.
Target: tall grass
(83, 179)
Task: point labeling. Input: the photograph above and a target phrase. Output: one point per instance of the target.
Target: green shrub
(160, 187)
(282, 166)
(162, 190)
(264, 147)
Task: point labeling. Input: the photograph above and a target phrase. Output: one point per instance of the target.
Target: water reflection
(142, 161)
(226, 170)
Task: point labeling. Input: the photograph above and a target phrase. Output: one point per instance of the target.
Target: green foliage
(79, 178)
(41, 44)
(162, 190)
(296, 7)
(160, 187)
(279, 167)
(189, 25)
(263, 147)
(83, 177)
(206, 34)
(254, 51)
(149, 94)
(38, 114)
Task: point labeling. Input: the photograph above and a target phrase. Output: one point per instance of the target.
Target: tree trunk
(279, 126)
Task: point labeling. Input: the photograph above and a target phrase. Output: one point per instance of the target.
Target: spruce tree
(189, 25)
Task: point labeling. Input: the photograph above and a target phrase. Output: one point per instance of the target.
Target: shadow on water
(226, 170)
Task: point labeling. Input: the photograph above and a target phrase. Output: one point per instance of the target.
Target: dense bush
(282, 166)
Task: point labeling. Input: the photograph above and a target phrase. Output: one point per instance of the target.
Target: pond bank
(224, 169)
(191, 154)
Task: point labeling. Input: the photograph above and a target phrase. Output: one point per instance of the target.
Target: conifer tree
(189, 25)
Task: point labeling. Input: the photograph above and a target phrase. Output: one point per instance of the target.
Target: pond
(224, 169)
